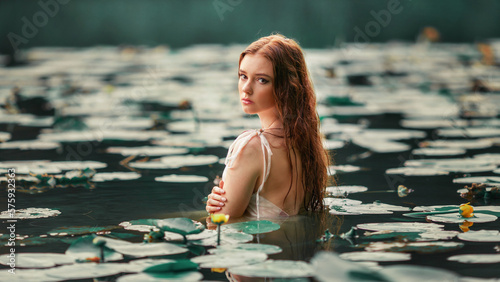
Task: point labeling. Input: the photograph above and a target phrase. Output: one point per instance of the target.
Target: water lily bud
(466, 210)
(98, 241)
(403, 191)
(219, 218)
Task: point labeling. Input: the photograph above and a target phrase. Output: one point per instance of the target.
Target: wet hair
(296, 104)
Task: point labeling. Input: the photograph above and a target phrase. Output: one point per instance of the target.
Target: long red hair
(296, 103)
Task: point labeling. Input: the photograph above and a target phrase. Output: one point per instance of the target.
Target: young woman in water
(280, 169)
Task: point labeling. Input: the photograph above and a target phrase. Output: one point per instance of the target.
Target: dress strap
(240, 143)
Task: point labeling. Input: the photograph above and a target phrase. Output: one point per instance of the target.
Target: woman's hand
(216, 199)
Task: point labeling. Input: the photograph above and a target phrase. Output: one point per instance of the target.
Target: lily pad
(4, 136)
(153, 151)
(253, 227)
(275, 269)
(340, 191)
(225, 260)
(480, 236)
(263, 248)
(175, 178)
(78, 230)
(375, 256)
(37, 260)
(471, 132)
(30, 145)
(154, 277)
(109, 176)
(401, 226)
(438, 151)
(84, 248)
(85, 270)
(416, 171)
(414, 273)
(457, 218)
(30, 213)
(340, 202)
(180, 225)
(476, 258)
(419, 247)
(373, 208)
(149, 249)
(328, 267)
(172, 162)
(491, 180)
(459, 144)
(228, 237)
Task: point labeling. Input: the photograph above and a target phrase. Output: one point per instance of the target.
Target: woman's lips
(246, 101)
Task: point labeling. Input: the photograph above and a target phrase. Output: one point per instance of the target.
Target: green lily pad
(152, 151)
(37, 260)
(30, 213)
(175, 178)
(457, 218)
(374, 208)
(328, 267)
(438, 151)
(84, 248)
(225, 260)
(419, 247)
(149, 249)
(153, 277)
(78, 230)
(109, 176)
(275, 269)
(492, 180)
(180, 225)
(414, 273)
(253, 227)
(340, 191)
(375, 256)
(228, 237)
(263, 248)
(30, 145)
(175, 266)
(476, 258)
(85, 270)
(401, 226)
(480, 236)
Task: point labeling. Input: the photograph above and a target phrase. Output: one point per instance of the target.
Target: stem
(218, 234)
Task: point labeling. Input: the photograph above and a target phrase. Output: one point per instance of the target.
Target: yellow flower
(465, 225)
(219, 218)
(466, 210)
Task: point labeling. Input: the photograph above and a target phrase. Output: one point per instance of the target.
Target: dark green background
(177, 23)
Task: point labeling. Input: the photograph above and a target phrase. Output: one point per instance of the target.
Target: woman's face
(255, 84)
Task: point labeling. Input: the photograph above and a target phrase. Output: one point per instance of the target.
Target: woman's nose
(247, 87)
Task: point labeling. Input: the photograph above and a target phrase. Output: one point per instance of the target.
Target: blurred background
(179, 23)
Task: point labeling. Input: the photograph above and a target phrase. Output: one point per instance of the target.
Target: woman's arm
(240, 181)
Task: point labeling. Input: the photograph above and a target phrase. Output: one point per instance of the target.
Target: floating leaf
(263, 248)
(174, 178)
(253, 227)
(459, 144)
(438, 151)
(419, 247)
(340, 202)
(401, 226)
(471, 132)
(78, 230)
(30, 145)
(414, 273)
(85, 270)
(153, 151)
(480, 236)
(225, 260)
(149, 249)
(84, 248)
(457, 218)
(30, 213)
(153, 277)
(375, 256)
(180, 225)
(37, 260)
(228, 237)
(174, 266)
(374, 208)
(275, 269)
(476, 258)
(108, 176)
(340, 191)
(491, 180)
(328, 267)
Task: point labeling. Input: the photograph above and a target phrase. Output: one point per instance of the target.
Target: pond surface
(376, 105)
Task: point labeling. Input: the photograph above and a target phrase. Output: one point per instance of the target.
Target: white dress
(258, 206)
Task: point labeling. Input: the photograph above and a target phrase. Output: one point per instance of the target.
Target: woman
(281, 169)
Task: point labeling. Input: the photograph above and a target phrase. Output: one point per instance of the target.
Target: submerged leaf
(253, 227)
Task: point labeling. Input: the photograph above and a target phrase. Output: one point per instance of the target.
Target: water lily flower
(466, 210)
(403, 191)
(218, 270)
(465, 225)
(219, 218)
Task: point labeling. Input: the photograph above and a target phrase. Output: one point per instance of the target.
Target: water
(113, 202)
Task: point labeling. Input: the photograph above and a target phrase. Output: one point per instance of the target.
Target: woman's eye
(263, 80)
(242, 76)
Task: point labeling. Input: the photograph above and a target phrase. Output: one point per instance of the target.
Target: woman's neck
(269, 121)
